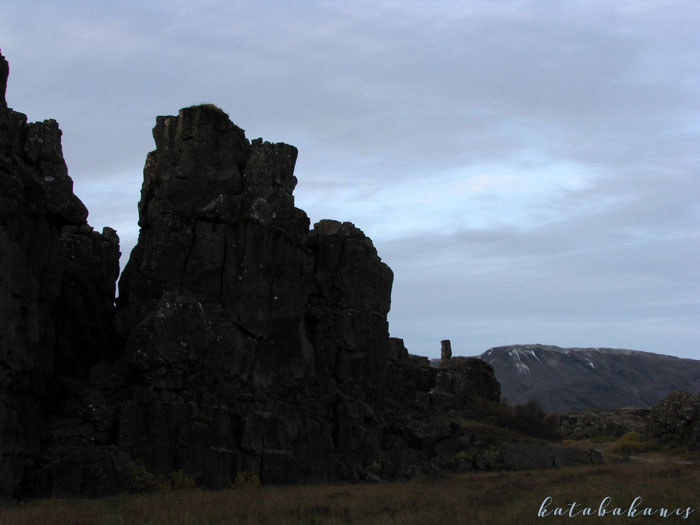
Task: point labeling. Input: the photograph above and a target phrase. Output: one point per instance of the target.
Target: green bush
(246, 479)
(631, 443)
(141, 480)
(531, 419)
(181, 481)
(528, 418)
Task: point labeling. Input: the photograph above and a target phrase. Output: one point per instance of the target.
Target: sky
(530, 170)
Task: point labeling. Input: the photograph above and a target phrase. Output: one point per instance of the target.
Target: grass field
(660, 480)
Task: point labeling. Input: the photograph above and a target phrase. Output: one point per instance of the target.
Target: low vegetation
(528, 418)
(484, 498)
(246, 480)
(209, 105)
(141, 481)
(632, 443)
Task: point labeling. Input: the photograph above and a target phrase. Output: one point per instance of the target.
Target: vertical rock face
(349, 303)
(56, 289)
(249, 332)
(219, 227)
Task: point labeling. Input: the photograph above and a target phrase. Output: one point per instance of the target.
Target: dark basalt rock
(595, 422)
(258, 345)
(56, 292)
(241, 341)
(460, 378)
(348, 305)
(675, 421)
(4, 72)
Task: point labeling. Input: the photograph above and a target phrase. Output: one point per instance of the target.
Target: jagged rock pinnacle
(4, 73)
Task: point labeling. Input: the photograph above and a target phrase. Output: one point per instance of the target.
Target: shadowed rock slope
(564, 379)
(242, 340)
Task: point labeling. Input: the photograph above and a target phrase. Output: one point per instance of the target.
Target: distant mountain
(564, 379)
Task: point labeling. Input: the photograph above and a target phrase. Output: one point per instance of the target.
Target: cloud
(528, 169)
(619, 275)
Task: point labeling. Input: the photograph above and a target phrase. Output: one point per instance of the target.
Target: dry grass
(494, 497)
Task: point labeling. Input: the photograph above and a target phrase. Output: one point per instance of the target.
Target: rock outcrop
(57, 284)
(599, 423)
(257, 343)
(461, 378)
(241, 341)
(675, 421)
(566, 379)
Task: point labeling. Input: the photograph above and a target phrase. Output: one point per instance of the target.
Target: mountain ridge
(563, 379)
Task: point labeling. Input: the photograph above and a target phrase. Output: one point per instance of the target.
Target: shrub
(246, 479)
(209, 105)
(181, 481)
(141, 480)
(531, 419)
(528, 418)
(632, 443)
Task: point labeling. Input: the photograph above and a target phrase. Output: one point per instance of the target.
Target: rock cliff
(241, 340)
(257, 344)
(57, 283)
